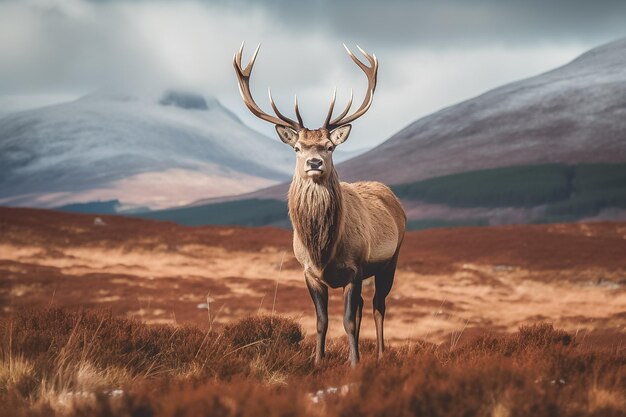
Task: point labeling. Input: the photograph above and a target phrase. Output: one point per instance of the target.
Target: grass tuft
(59, 362)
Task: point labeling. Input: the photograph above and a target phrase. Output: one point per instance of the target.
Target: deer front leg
(352, 301)
(319, 295)
(359, 315)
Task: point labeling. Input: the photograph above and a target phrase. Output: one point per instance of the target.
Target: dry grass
(77, 363)
(450, 283)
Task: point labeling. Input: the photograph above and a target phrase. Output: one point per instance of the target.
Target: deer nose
(314, 163)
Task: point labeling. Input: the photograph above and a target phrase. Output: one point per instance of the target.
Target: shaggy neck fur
(315, 210)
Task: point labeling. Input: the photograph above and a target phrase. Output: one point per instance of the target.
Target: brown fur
(316, 212)
(329, 215)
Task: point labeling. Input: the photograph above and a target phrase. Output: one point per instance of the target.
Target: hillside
(572, 114)
(548, 193)
(544, 149)
(159, 152)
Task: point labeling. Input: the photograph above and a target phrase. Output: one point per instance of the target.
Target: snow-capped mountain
(572, 114)
(144, 152)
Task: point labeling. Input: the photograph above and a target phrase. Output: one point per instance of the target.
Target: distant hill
(570, 115)
(573, 114)
(519, 153)
(550, 148)
(532, 193)
(159, 152)
(254, 212)
(95, 207)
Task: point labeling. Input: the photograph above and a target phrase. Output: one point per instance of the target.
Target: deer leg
(359, 314)
(351, 296)
(383, 282)
(319, 295)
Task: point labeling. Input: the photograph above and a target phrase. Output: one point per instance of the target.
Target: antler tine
(279, 114)
(238, 55)
(248, 69)
(331, 108)
(237, 59)
(355, 59)
(243, 77)
(346, 110)
(371, 58)
(298, 110)
(371, 73)
(252, 59)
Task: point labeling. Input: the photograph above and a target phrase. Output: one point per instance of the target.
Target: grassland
(572, 275)
(59, 362)
(129, 317)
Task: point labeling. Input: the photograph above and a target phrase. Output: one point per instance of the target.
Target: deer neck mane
(316, 212)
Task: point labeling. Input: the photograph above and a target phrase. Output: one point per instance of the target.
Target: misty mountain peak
(127, 144)
(109, 95)
(187, 100)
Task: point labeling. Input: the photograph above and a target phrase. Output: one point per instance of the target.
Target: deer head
(314, 148)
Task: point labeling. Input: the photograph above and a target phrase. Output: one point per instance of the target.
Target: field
(124, 316)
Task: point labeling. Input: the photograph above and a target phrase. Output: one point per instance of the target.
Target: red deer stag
(343, 233)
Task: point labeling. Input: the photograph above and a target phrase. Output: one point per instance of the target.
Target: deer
(343, 233)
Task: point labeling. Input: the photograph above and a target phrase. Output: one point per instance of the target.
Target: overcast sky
(431, 53)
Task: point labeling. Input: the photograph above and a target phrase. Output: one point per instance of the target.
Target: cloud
(452, 22)
(431, 54)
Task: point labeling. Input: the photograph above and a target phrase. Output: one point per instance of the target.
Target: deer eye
(330, 148)
(296, 148)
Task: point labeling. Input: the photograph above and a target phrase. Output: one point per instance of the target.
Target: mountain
(573, 114)
(141, 151)
(341, 155)
(549, 148)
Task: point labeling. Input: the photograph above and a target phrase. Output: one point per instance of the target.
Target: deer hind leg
(319, 295)
(352, 300)
(383, 282)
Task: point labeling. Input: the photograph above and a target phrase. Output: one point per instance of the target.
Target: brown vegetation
(449, 281)
(217, 321)
(77, 363)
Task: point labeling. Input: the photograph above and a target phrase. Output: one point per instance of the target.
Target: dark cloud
(432, 53)
(450, 22)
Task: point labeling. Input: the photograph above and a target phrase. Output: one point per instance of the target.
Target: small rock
(116, 393)
(319, 395)
(606, 283)
(502, 268)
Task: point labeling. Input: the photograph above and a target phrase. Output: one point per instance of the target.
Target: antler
(243, 75)
(371, 73)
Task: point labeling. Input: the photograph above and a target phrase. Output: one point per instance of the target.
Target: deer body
(367, 234)
(343, 233)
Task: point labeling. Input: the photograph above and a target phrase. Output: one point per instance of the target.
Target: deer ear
(287, 135)
(339, 135)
